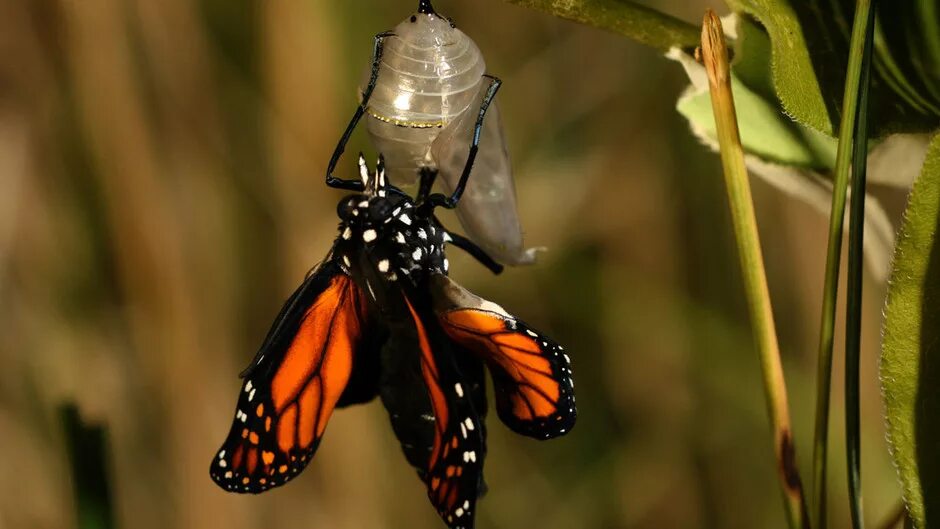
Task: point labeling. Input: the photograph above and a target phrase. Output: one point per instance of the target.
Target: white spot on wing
(369, 235)
(383, 265)
(459, 389)
(405, 219)
(416, 255)
(347, 233)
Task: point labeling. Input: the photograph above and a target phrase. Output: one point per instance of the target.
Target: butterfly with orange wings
(380, 317)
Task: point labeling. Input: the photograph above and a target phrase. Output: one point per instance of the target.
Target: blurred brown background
(161, 192)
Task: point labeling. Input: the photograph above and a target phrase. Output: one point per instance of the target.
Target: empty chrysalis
(423, 101)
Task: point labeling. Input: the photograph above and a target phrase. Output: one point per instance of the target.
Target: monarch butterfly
(420, 104)
(380, 317)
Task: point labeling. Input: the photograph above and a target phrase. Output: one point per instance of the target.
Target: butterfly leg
(441, 200)
(476, 252)
(471, 248)
(357, 185)
(427, 176)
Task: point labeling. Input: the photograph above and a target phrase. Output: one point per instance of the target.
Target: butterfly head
(376, 205)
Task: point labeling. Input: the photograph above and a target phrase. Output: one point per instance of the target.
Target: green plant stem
(864, 24)
(833, 258)
(715, 57)
(642, 24)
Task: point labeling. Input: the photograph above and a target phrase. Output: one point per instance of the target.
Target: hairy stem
(642, 24)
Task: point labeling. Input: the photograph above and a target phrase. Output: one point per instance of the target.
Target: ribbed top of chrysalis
(425, 7)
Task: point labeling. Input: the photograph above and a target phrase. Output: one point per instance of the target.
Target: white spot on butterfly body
(469, 456)
(459, 512)
(463, 430)
(446, 237)
(369, 235)
(466, 505)
(400, 238)
(530, 332)
(228, 475)
(347, 233)
(221, 454)
(247, 386)
(416, 255)
(422, 234)
(459, 389)
(346, 260)
(364, 204)
(251, 395)
(222, 463)
(446, 264)
(383, 265)
(405, 219)
(469, 423)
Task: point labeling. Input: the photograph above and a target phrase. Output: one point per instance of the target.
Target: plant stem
(640, 23)
(715, 57)
(833, 258)
(864, 25)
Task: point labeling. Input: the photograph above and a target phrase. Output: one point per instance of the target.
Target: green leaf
(809, 54)
(765, 131)
(793, 74)
(910, 361)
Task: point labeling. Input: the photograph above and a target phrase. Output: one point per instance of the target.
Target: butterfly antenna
(381, 184)
(363, 170)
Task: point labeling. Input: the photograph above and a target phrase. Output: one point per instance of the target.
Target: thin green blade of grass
(715, 57)
(844, 152)
(864, 24)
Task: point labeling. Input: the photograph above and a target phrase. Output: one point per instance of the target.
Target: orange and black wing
(531, 373)
(294, 383)
(453, 469)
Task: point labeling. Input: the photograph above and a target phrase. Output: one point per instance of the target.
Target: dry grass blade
(715, 56)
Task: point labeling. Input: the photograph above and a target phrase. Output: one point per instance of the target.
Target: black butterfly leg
(427, 177)
(471, 248)
(357, 185)
(450, 202)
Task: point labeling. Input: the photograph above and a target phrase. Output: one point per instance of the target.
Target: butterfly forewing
(293, 384)
(454, 468)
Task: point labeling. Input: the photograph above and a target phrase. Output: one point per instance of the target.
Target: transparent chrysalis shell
(421, 114)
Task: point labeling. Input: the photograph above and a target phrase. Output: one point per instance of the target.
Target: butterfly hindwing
(531, 373)
(294, 383)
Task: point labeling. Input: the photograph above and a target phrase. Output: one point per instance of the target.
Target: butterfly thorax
(384, 240)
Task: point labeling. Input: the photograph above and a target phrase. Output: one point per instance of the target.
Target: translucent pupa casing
(422, 113)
